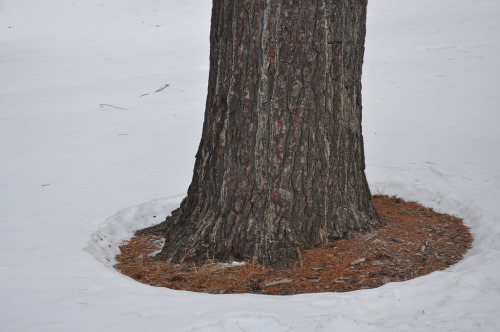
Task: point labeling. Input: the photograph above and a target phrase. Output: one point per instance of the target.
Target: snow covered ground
(69, 167)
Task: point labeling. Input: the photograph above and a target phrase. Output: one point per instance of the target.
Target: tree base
(414, 242)
(185, 244)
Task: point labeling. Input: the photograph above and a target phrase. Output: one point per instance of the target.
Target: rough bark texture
(280, 165)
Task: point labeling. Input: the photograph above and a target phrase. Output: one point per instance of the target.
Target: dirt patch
(414, 242)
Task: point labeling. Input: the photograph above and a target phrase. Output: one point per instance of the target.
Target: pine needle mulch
(414, 242)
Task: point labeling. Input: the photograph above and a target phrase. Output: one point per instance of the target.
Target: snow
(70, 168)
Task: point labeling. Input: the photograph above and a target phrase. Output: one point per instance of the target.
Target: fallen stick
(160, 89)
(120, 108)
(279, 282)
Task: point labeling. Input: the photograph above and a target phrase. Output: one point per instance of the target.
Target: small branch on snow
(120, 108)
(162, 88)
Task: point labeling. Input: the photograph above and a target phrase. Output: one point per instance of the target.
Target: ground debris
(279, 282)
(395, 239)
(314, 278)
(358, 261)
(376, 263)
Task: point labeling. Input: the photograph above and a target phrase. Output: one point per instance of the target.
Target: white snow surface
(67, 165)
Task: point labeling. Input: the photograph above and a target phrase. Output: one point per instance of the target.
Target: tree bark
(280, 164)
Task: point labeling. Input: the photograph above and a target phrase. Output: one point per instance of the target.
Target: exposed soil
(414, 242)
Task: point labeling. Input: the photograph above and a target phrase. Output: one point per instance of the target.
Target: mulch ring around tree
(414, 242)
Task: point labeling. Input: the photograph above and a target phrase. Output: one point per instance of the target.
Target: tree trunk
(280, 164)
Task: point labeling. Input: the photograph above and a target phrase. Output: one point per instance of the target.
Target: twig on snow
(120, 108)
(162, 88)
